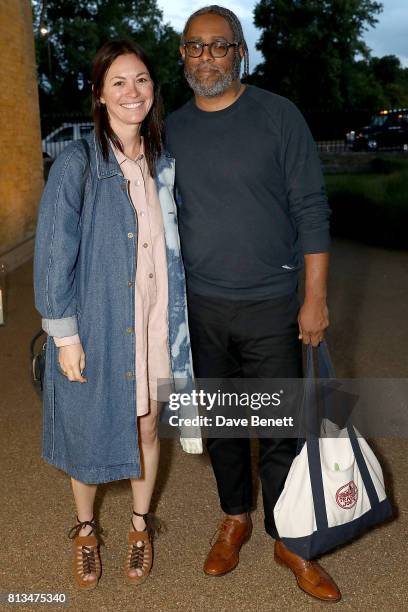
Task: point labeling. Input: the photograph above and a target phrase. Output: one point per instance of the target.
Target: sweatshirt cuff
(315, 242)
(67, 340)
(68, 326)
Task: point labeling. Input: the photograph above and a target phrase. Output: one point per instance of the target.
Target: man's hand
(72, 362)
(313, 320)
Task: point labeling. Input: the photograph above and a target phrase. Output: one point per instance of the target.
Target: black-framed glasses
(217, 49)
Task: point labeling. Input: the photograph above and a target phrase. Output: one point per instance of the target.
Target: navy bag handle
(325, 370)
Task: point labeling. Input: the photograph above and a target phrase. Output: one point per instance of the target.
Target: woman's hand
(72, 362)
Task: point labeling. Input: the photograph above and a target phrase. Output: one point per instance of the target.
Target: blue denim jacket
(84, 272)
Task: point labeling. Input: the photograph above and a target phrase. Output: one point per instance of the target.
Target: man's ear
(182, 51)
(241, 50)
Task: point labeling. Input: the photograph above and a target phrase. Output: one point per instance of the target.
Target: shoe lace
(74, 531)
(88, 560)
(153, 525)
(88, 552)
(137, 556)
(220, 531)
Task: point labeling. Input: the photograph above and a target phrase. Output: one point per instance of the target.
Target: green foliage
(393, 79)
(378, 82)
(372, 208)
(310, 47)
(365, 90)
(77, 28)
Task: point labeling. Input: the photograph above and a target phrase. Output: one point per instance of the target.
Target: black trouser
(247, 339)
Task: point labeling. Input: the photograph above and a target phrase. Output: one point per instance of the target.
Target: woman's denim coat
(84, 273)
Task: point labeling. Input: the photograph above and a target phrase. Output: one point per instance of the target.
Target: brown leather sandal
(140, 557)
(86, 559)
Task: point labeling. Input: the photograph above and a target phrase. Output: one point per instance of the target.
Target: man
(251, 205)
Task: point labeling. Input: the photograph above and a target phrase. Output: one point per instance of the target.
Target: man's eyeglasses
(217, 49)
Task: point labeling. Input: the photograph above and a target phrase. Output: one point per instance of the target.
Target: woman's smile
(133, 105)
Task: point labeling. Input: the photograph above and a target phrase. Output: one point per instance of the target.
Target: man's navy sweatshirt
(250, 194)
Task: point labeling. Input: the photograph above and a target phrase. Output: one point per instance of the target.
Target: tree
(386, 69)
(310, 48)
(378, 82)
(77, 28)
(389, 73)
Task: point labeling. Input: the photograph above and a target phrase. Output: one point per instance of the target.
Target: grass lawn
(372, 207)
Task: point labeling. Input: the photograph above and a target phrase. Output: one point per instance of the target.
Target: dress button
(130, 235)
(150, 275)
(129, 330)
(142, 213)
(130, 284)
(137, 183)
(129, 374)
(145, 245)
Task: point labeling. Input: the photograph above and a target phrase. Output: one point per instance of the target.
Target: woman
(109, 284)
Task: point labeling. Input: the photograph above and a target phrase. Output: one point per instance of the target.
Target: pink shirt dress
(151, 295)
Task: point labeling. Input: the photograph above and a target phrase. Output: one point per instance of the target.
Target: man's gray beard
(218, 87)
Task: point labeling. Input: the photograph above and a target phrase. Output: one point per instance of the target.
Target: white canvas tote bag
(335, 487)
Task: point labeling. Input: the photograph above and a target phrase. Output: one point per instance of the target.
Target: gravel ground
(368, 338)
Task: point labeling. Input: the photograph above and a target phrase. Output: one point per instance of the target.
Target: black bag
(38, 354)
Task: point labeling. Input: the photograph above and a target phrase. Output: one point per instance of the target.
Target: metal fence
(333, 146)
(331, 131)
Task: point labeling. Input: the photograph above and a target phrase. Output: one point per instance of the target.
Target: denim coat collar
(108, 168)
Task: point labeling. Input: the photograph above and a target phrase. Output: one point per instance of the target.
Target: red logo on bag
(347, 495)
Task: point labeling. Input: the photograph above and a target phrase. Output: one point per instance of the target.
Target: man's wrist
(313, 297)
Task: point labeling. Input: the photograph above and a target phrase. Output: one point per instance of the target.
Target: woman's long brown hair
(152, 125)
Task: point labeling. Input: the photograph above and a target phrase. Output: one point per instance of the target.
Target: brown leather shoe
(86, 559)
(224, 554)
(310, 577)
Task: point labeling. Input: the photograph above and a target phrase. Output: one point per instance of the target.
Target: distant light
(44, 30)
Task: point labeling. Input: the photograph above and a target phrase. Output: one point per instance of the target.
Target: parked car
(388, 129)
(57, 140)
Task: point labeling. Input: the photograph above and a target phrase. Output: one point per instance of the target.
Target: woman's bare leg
(142, 488)
(84, 495)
